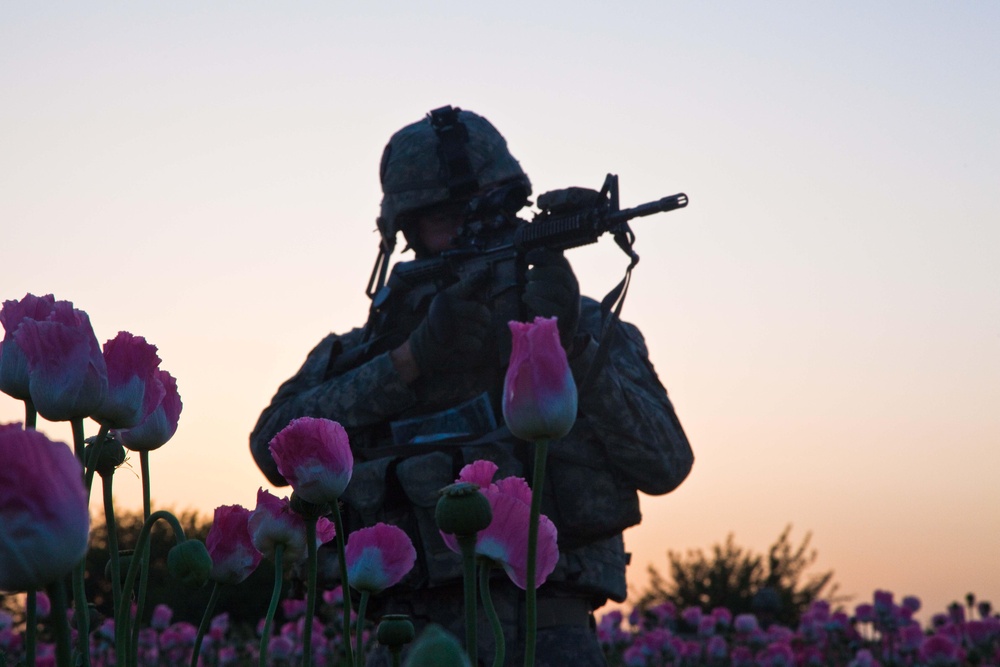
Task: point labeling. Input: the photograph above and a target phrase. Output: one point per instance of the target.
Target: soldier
(439, 374)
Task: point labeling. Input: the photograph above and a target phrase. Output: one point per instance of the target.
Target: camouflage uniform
(626, 437)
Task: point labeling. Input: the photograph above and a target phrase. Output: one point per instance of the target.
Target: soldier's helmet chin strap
(381, 268)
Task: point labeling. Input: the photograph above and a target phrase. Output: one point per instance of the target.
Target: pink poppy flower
(864, 613)
(938, 651)
(162, 615)
(378, 557)
(505, 540)
(745, 623)
(776, 654)
(43, 605)
(160, 425)
(539, 396)
(67, 375)
(273, 522)
(234, 557)
(716, 648)
(314, 455)
(134, 386)
(13, 363)
(44, 520)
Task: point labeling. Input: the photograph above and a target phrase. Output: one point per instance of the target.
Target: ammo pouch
(404, 492)
(592, 500)
(596, 569)
(421, 478)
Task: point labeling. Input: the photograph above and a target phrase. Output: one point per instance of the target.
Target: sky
(824, 313)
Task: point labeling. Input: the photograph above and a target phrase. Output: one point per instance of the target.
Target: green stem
(81, 610)
(144, 464)
(538, 477)
(93, 457)
(265, 637)
(133, 653)
(206, 619)
(60, 624)
(78, 438)
(122, 624)
(362, 608)
(112, 528)
(30, 414)
(30, 628)
(491, 613)
(312, 566)
(344, 584)
(467, 543)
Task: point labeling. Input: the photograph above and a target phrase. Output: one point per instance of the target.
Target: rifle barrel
(680, 200)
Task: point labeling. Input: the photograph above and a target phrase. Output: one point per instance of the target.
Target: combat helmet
(448, 156)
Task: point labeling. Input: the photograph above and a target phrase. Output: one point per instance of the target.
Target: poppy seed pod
(189, 561)
(108, 458)
(394, 631)
(437, 647)
(306, 508)
(462, 510)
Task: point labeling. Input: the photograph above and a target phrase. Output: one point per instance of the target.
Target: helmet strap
(380, 269)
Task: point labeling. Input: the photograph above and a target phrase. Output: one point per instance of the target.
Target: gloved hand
(454, 334)
(552, 290)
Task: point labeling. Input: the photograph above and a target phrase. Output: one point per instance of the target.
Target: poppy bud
(539, 395)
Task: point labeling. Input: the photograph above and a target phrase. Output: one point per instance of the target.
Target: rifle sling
(611, 316)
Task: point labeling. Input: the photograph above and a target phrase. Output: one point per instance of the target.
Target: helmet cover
(447, 156)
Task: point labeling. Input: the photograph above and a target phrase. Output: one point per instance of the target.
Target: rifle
(494, 241)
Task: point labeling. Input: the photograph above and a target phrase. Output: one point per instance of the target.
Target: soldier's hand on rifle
(552, 290)
(454, 334)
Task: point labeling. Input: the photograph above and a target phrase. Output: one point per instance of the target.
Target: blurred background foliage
(774, 585)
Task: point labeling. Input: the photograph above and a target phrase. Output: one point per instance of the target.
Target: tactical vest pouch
(597, 568)
(366, 492)
(421, 478)
(592, 501)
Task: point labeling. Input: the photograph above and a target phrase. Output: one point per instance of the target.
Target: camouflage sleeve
(360, 397)
(628, 410)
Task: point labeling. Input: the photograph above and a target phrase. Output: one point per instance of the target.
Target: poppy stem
(144, 575)
(141, 544)
(491, 613)
(30, 414)
(206, 619)
(30, 627)
(344, 583)
(112, 528)
(362, 608)
(80, 607)
(537, 478)
(265, 635)
(467, 543)
(60, 623)
(92, 458)
(310, 589)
